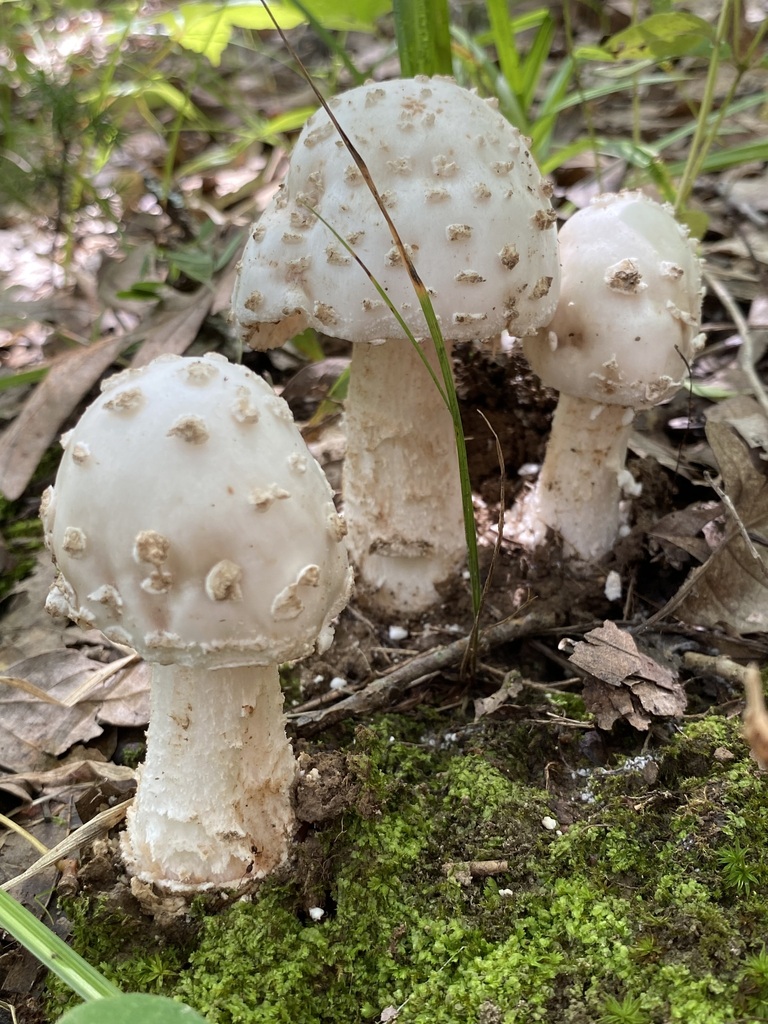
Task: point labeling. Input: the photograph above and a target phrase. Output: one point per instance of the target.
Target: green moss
(633, 913)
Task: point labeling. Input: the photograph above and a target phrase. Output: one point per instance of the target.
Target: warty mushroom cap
(468, 201)
(189, 521)
(630, 299)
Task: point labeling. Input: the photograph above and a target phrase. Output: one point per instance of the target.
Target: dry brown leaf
(70, 376)
(173, 325)
(64, 779)
(680, 530)
(623, 682)
(26, 628)
(511, 687)
(33, 732)
(170, 327)
(731, 589)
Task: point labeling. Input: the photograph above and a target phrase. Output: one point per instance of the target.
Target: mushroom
(474, 215)
(189, 521)
(624, 332)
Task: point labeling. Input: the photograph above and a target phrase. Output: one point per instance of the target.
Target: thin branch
(747, 351)
(383, 691)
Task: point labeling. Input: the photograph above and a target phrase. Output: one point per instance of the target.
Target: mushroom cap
(463, 192)
(189, 521)
(630, 303)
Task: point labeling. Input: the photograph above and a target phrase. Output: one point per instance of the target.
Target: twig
(747, 351)
(382, 691)
(463, 871)
(731, 509)
(716, 664)
(92, 829)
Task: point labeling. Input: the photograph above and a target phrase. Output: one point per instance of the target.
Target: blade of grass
(422, 30)
(53, 952)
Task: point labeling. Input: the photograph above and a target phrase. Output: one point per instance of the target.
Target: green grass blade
(504, 43)
(536, 59)
(52, 951)
(422, 29)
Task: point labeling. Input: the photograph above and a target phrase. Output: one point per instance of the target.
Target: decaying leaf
(70, 377)
(680, 532)
(623, 682)
(511, 687)
(34, 732)
(731, 589)
(171, 326)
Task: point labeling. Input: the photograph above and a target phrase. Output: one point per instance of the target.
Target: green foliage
(623, 918)
(128, 1009)
(628, 1010)
(742, 871)
(207, 28)
(423, 37)
(52, 951)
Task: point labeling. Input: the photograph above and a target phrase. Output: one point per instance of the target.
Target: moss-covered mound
(447, 900)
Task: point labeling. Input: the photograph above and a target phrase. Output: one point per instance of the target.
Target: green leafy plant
(741, 871)
(628, 1010)
(103, 1000)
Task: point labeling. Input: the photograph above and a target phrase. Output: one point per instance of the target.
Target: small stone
(723, 755)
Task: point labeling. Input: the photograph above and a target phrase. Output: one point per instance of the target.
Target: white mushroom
(625, 330)
(160, 544)
(474, 214)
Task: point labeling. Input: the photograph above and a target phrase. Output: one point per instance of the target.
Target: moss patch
(648, 907)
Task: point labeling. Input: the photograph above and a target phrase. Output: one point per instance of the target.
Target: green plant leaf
(132, 1009)
(422, 28)
(53, 952)
(206, 28)
(662, 36)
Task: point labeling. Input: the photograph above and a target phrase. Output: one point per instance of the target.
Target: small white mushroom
(161, 549)
(623, 334)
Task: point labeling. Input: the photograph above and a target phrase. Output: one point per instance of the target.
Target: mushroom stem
(213, 805)
(580, 484)
(406, 531)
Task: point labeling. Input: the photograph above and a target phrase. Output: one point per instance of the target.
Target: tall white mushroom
(189, 521)
(474, 214)
(625, 329)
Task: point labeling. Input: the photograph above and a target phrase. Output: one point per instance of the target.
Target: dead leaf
(26, 628)
(173, 324)
(731, 589)
(170, 327)
(34, 732)
(70, 377)
(510, 688)
(64, 779)
(678, 532)
(623, 682)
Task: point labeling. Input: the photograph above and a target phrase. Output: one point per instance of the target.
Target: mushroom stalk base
(579, 489)
(214, 802)
(402, 498)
